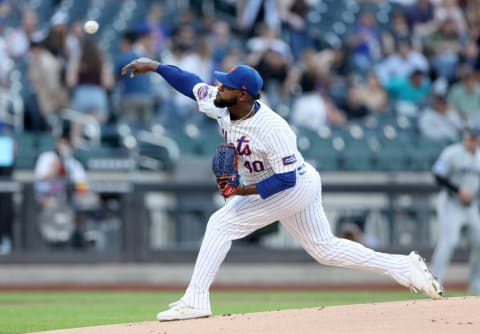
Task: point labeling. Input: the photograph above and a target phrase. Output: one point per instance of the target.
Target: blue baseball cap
(241, 77)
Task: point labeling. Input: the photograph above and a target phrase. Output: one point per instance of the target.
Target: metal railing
(135, 213)
(91, 125)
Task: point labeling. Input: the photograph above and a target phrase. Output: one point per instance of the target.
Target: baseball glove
(224, 166)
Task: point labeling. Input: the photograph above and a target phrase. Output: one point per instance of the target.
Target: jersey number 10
(255, 166)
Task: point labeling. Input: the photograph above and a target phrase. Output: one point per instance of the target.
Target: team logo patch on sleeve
(289, 160)
(202, 92)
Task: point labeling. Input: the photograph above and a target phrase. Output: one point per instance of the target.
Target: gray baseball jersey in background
(461, 168)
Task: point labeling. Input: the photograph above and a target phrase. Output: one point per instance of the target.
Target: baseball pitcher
(276, 184)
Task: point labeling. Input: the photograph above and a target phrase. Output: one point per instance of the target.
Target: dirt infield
(450, 315)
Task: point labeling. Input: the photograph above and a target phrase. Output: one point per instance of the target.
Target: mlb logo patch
(202, 92)
(289, 160)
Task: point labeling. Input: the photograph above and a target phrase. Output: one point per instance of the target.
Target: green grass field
(22, 312)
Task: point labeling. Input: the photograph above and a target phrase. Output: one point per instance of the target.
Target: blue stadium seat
(424, 152)
(318, 151)
(358, 155)
(392, 156)
(101, 158)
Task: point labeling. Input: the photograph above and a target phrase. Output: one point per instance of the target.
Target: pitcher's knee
(214, 223)
(222, 227)
(326, 251)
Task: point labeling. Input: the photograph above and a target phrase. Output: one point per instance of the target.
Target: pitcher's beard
(222, 103)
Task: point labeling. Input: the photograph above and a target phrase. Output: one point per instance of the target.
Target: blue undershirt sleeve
(276, 183)
(182, 81)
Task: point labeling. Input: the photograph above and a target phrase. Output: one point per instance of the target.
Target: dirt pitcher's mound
(449, 315)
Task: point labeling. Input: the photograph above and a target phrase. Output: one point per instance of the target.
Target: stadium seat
(29, 146)
(24, 140)
(319, 152)
(156, 152)
(102, 158)
(188, 146)
(392, 156)
(423, 153)
(209, 142)
(45, 141)
(25, 158)
(358, 155)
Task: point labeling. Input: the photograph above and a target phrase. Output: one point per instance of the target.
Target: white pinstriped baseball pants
(300, 210)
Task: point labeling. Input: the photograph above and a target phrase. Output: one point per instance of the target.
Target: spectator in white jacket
(439, 122)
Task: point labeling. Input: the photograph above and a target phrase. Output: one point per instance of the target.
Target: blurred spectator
(334, 64)
(312, 108)
(18, 39)
(186, 16)
(137, 101)
(222, 41)
(352, 225)
(339, 65)
(471, 54)
(421, 18)
(44, 73)
(204, 52)
(272, 58)
(354, 104)
(353, 231)
(409, 94)
(374, 94)
(366, 97)
(158, 29)
(74, 39)
(472, 14)
(250, 12)
(401, 63)
(5, 61)
(464, 96)
(9, 10)
(234, 56)
(294, 15)
(398, 32)
(365, 43)
(54, 171)
(267, 38)
(472, 47)
(449, 10)
(273, 67)
(439, 122)
(56, 40)
(7, 152)
(60, 163)
(443, 48)
(184, 54)
(308, 108)
(206, 22)
(90, 77)
(402, 3)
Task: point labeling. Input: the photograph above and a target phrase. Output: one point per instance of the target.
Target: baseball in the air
(91, 27)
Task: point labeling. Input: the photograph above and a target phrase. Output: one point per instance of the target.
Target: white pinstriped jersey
(265, 142)
(267, 146)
